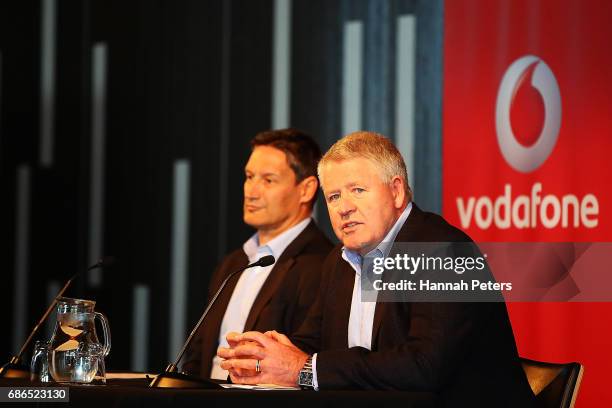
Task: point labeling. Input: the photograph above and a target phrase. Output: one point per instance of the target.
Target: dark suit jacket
(465, 352)
(282, 302)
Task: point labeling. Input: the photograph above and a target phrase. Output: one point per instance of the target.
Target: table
(136, 394)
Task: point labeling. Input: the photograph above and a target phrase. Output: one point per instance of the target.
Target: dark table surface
(135, 393)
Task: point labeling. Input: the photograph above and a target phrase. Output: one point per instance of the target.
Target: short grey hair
(374, 147)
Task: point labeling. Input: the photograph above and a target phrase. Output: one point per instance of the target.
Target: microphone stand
(14, 368)
(171, 378)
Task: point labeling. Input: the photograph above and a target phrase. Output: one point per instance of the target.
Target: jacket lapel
(407, 233)
(270, 286)
(342, 296)
(278, 273)
(379, 312)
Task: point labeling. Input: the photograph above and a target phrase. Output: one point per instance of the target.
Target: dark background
(185, 80)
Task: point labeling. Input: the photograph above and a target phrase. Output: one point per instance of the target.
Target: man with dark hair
(280, 190)
(303, 153)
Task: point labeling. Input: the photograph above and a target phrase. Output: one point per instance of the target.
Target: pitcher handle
(106, 331)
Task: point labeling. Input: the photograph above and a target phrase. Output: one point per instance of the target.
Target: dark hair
(303, 153)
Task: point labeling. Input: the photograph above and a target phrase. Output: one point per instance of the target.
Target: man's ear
(308, 189)
(398, 189)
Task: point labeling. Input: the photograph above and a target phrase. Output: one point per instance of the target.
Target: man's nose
(345, 207)
(252, 190)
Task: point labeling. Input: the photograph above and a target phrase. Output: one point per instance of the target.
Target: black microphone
(263, 262)
(103, 262)
(170, 378)
(13, 369)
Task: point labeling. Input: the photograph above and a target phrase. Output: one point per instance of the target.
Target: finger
(227, 365)
(246, 342)
(242, 363)
(246, 379)
(233, 338)
(258, 337)
(281, 338)
(249, 351)
(240, 372)
(225, 352)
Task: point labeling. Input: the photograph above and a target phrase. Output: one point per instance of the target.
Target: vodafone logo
(526, 139)
(527, 120)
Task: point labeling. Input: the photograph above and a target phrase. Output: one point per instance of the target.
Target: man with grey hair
(463, 352)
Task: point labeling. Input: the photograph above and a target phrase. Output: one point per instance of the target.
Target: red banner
(526, 130)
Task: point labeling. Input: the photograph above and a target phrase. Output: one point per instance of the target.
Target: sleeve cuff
(315, 382)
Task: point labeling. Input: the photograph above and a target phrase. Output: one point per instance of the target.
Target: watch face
(305, 378)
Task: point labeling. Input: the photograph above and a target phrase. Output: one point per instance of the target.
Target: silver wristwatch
(305, 378)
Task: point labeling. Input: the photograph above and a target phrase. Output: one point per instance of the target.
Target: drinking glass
(89, 364)
(39, 366)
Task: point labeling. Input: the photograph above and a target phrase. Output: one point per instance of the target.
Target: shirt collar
(275, 246)
(383, 248)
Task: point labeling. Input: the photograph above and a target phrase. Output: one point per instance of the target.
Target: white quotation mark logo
(528, 158)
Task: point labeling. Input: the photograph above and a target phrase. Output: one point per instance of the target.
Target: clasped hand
(279, 360)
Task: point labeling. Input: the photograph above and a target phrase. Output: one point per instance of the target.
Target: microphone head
(265, 261)
(103, 262)
(107, 261)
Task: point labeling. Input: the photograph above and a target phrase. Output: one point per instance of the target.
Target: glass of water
(39, 366)
(89, 364)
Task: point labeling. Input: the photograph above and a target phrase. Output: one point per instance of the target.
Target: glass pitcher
(75, 331)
